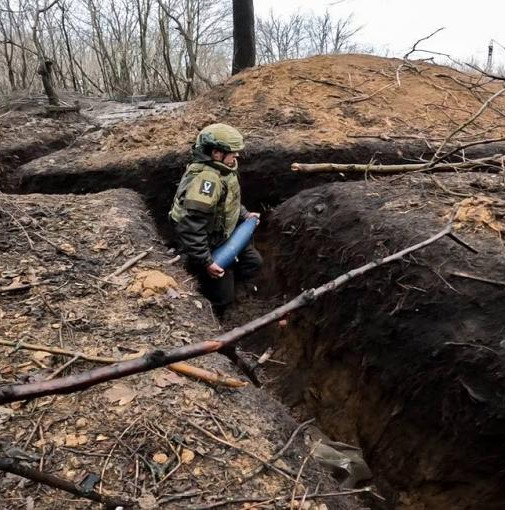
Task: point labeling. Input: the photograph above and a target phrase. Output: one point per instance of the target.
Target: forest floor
(160, 438)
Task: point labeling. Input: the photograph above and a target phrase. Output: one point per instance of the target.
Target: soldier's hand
(215, 271)
(253, 215)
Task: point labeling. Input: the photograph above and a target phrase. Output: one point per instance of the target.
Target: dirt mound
(328, 100)
(408, 360)
(170, 441)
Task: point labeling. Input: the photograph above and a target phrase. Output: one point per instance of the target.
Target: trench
(348, 358)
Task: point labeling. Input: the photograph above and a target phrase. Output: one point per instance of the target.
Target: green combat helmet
(221, 137)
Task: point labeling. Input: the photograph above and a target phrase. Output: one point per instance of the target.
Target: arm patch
(203, 191)
(207, 188)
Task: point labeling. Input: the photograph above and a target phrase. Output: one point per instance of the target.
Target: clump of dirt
(408, 361)
(150, 283)
(159, 438)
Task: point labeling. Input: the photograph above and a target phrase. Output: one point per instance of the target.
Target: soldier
(206, 210)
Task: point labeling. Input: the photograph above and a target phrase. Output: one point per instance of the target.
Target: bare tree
(329, 35)
(279, 38)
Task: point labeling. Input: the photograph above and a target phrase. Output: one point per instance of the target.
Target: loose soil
(137, 436)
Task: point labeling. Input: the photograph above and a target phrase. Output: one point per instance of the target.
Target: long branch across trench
(159, 358)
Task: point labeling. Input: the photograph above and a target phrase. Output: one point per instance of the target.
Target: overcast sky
(395, 25)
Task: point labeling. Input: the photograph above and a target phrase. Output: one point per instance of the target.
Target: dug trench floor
(407, 362)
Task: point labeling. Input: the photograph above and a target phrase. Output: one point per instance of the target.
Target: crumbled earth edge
(408, 360)
(130, 433)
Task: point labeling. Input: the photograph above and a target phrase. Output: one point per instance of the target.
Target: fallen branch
(160, 358)
(180, 368)
(393, 169)
(12, 466)
(466, 146)
(461, 127)
(414, 48)
(22, 286)
(485, 73)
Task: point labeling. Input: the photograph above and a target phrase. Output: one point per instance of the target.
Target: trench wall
(407, 360)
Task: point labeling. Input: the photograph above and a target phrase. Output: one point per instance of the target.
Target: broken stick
(129, 263)
(160, 358)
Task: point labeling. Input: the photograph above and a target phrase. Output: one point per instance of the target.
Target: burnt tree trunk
(244, 43)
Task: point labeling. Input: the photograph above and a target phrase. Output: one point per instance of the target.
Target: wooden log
(393, 169)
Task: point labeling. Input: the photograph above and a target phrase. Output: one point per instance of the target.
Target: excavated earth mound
(328, 100)
(160, 438)
(408, 360)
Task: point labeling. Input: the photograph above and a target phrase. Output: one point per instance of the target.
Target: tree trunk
(44, 70)
(45, 65)
(8, 54)
(69, 49)
(174, 86)
(244, 43)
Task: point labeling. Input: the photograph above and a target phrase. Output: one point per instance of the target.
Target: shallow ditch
(379, 363)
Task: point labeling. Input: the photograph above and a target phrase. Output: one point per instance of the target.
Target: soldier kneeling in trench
(206, 210)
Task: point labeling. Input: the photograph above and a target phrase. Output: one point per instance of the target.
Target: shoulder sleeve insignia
(207, 188)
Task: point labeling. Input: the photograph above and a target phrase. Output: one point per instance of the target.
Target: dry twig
(462, 126)
(129, 263)
(265, 463)
(281, 452)
(477, 278)
(414, 48)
